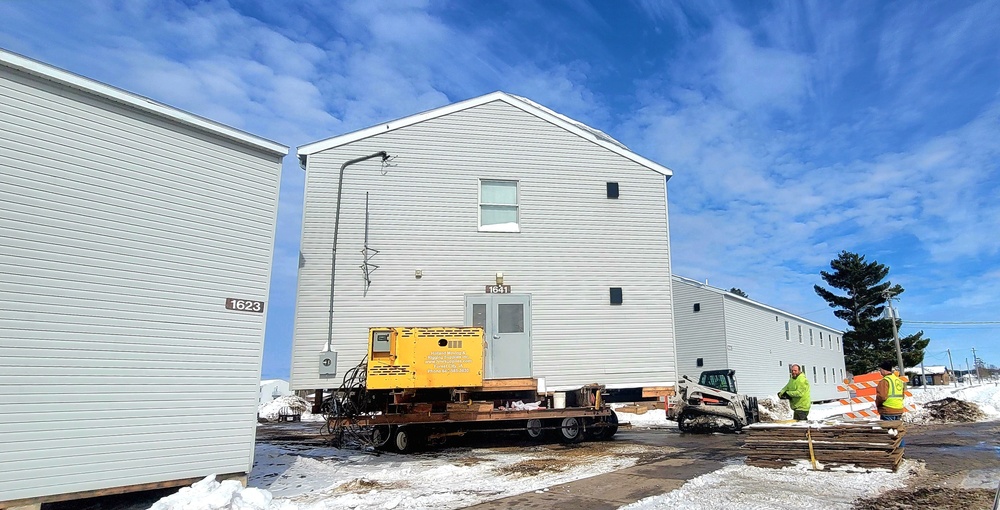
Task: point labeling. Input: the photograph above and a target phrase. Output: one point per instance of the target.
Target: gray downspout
(336, 230)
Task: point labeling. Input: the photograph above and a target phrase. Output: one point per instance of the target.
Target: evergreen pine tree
(868, 340)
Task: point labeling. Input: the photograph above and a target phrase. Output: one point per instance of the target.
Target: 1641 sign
(245, 305)
(498, 289)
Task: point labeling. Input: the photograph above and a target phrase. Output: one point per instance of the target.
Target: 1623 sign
(245, 305)
(498, 289)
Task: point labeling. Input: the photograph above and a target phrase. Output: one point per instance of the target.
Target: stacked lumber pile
(868, 445)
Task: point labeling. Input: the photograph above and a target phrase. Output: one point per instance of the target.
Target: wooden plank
(657, 391)
(523, 384)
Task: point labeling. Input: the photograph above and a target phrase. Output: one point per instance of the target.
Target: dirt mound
(928, 497)
(951, 410)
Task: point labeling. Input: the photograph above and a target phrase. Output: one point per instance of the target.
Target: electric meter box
(328, 364)
(425, 357)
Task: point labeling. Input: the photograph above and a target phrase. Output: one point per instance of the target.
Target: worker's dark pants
(894, 417)
(800, 415)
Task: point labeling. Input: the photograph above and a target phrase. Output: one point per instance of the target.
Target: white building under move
(493, 212)
(135, 258)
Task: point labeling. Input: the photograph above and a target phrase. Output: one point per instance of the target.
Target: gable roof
(107, 92)
(730, 295)
(578, 128)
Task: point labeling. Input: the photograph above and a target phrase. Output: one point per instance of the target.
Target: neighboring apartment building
(717, 329)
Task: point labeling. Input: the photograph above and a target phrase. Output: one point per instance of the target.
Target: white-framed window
(787, 335)
(824, 375)
(800, 333)
(811, 341)
(498, 206)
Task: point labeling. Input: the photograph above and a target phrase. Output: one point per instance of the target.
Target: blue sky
(795, 129)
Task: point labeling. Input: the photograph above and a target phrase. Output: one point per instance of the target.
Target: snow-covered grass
(304, 478)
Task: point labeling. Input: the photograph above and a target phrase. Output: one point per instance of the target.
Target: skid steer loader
(712, 404)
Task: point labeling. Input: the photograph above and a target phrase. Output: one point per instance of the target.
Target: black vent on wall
(701, 362)
(612, 190)
(616, 295)
(697, 307)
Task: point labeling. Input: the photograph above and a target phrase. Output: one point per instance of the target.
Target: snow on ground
(753, 488)
(298, 478)
(305, 478)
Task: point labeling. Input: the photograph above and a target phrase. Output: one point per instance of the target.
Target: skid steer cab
(712, 404)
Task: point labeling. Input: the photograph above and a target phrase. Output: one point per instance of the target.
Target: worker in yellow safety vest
(889, 394)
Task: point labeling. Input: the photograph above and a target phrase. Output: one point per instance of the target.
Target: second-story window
(498, 206)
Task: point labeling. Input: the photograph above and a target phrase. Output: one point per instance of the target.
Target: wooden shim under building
(524, 384)
(658, 391)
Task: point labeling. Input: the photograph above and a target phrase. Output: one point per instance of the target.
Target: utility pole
(923, 376)
(952, 363)
(895, 333)
(975, 363)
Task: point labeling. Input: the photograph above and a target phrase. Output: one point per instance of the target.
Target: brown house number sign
(498, 289)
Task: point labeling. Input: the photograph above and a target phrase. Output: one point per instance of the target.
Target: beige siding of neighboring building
(574, 244)
(123, 233)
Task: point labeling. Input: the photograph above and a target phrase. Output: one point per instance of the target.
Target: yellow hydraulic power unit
(425, 357)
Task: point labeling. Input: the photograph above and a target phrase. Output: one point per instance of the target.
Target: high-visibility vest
(894, 398)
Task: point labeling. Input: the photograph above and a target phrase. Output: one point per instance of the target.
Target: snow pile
(287, 404)
(209, 494)
(651, 419)
(772, 409)
(752, 488)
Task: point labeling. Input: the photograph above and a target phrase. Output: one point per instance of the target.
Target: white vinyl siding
(123, 233)
(700, 334)
(574, 244)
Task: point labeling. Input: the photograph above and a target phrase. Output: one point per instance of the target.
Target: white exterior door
(506, 323)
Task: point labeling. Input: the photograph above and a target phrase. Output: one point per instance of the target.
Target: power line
(964, 323)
